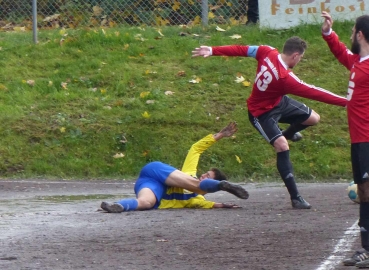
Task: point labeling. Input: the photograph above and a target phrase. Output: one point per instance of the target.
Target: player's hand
(230, 205)
(202, 51)
(328, 22)
(228, 131)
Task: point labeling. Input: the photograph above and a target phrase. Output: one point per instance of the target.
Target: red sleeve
(231, 50)
(339, 50)
(297, 87)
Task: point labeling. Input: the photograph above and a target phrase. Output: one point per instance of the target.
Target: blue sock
(209, 185)
(129, 204)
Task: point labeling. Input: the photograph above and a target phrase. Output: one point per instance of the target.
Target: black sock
(284, 166)
(292, 129)
(364, 224)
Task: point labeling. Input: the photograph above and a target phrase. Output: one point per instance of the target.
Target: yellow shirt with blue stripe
(181, 198)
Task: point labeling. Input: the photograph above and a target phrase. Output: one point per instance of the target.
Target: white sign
(280, 14)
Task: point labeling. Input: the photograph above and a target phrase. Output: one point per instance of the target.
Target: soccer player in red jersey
(357, 61)
(269, 104)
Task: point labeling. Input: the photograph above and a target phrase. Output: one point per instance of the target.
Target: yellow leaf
(246, 83)
(229, 4)
(233, 21)
(103, 91)
(62, 129)
(235, 36)
(62, 32)
(211, 15)
(50, 83)
(219, 29)
(64, 85)
(24, 81)
(238, 159)
(146, 115)
(160, 33)
(3, 87)
(103, 31)
(197, 20)
(144, 94)
(176, 6)
(19, 29)
(126, 46)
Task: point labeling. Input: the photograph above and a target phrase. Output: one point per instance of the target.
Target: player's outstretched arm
(227, 131)
(204, 51)
(226, 205)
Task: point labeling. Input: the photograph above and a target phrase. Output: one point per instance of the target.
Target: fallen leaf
(144, 94)
(64, 85)
(103, 91)
(219, 29)
(246, 83)
(146, 115)
(118, 155)
(181, 73)
(31, 82)
(150, 101)
(168, 93)
(235, 36)
(238, 159)
(62, 129)
(50, 83)
(160, 33)
(239, 79)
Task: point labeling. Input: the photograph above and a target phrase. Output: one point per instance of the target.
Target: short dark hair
(362, 24)
(219, 175)
(294, 44)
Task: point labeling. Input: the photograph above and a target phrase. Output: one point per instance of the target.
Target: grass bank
(101, 103)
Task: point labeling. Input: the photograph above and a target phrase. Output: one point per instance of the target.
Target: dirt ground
(57, 225)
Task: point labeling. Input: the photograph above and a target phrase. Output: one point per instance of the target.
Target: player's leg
(182, 180)
(299, 116)
(267, 125)
(360, 168)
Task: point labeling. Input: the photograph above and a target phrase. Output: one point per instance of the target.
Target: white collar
(282, 62)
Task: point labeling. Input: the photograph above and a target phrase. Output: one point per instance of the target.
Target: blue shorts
(153, 176)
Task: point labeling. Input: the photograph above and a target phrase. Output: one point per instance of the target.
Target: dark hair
(219, 175)
(294, 44)
(362, 24)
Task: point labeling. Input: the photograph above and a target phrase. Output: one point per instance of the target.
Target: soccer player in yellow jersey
(162, 186)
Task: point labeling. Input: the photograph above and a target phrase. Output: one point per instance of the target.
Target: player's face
(296, 59)
(355, 46)
(208, 174)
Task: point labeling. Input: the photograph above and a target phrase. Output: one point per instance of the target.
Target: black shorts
(360, 162)
(288, 111)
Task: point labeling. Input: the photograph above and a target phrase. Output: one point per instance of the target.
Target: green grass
(73, 132)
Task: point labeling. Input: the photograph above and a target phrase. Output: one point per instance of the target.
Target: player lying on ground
(357, 61)
(162, 186)
(269, 104)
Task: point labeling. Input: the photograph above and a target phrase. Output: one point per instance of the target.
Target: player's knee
(281, 144)
(313, 119)
(144, 204)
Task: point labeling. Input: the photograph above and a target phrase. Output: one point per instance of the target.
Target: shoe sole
(236, 190)
(112, 208)
(301, 207)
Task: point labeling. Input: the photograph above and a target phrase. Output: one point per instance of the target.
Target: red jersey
(358, 88)
(274, 80)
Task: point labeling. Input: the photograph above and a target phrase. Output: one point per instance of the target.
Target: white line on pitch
(342, 246)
